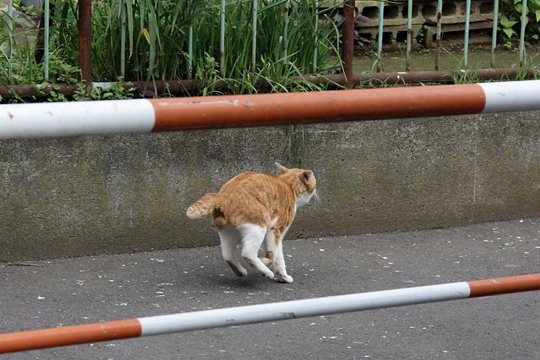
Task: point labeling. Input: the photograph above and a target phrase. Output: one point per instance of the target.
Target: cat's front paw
(284, 278)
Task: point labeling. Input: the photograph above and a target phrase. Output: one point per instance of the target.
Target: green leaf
(507, 23)
(534, 5)
(146, 34)
(537, 13)
(129, 11)
(509, 32)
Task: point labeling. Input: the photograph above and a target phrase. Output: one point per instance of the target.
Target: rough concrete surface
(117, 194)
(109, 287)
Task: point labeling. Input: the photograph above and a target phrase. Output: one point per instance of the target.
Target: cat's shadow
(253, 281)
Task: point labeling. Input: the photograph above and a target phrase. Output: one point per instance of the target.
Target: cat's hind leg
(270, 244)
(230, 238)
(252, 238)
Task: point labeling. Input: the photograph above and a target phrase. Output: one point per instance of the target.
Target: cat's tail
(203, 206)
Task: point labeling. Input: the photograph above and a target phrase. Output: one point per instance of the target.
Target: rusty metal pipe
(333, 81)
(85, 42)
(348, 42)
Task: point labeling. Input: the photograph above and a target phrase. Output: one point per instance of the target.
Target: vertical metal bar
(46, 41)
(494, 32)
(438, 35)
(286, 30)
(85, 42)
(10, 39)
(123, 38)
(466, 40)
(190, 53)
(254, 36)
(316, 30)
(222, 38)
(409, 35)
(524, 11)
(380, 39)
(348, 42)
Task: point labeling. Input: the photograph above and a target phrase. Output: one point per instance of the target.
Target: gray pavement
(90, 289)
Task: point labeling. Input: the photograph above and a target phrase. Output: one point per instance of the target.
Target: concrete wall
(90, 195)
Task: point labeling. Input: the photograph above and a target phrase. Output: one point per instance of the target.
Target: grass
(156, 43)
(479, 58)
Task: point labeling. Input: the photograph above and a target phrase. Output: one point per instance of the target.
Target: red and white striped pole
(147, 115)
(167, 324)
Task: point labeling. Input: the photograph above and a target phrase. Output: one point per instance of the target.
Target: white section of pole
(243, 315)
(76, 118)
(511, 96)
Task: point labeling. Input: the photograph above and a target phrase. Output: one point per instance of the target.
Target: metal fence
(349, 11)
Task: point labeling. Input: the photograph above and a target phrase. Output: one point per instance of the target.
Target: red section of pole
(85, 41)
(345, 105)
(504, 285)
(69, 335)
(348, 42)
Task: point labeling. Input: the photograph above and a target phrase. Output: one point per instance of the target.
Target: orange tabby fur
(253, 201)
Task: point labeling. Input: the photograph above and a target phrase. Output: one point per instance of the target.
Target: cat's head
(302, 182)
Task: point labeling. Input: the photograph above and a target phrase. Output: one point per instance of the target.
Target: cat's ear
(282, 169)
(307, 175)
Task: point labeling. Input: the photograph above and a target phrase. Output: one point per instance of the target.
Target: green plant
(19, 65)
(117, 90)
(156, 46)
(56, 96)
(465, 77)
(295, 47)
(529, 65)
(511, 16)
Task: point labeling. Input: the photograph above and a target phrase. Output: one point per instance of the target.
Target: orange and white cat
(252, 209)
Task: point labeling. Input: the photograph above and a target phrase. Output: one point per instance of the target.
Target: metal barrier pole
(10, 39)
(46, 31)
(438, 35)
(190, 53)
(174, 114)
(523, 25)
(466, 39)
(123, 38)
(243, 315)
(348, 42)
(316, 30)
(85, 42)
(222, 10)
(254, 35)
(381, 36)
(286, 31)
(494, 31)
(409, 35)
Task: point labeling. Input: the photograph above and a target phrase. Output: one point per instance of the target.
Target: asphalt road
(101, 288)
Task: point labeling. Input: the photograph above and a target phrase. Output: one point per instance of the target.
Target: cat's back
(252, 183)
(256, 198)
